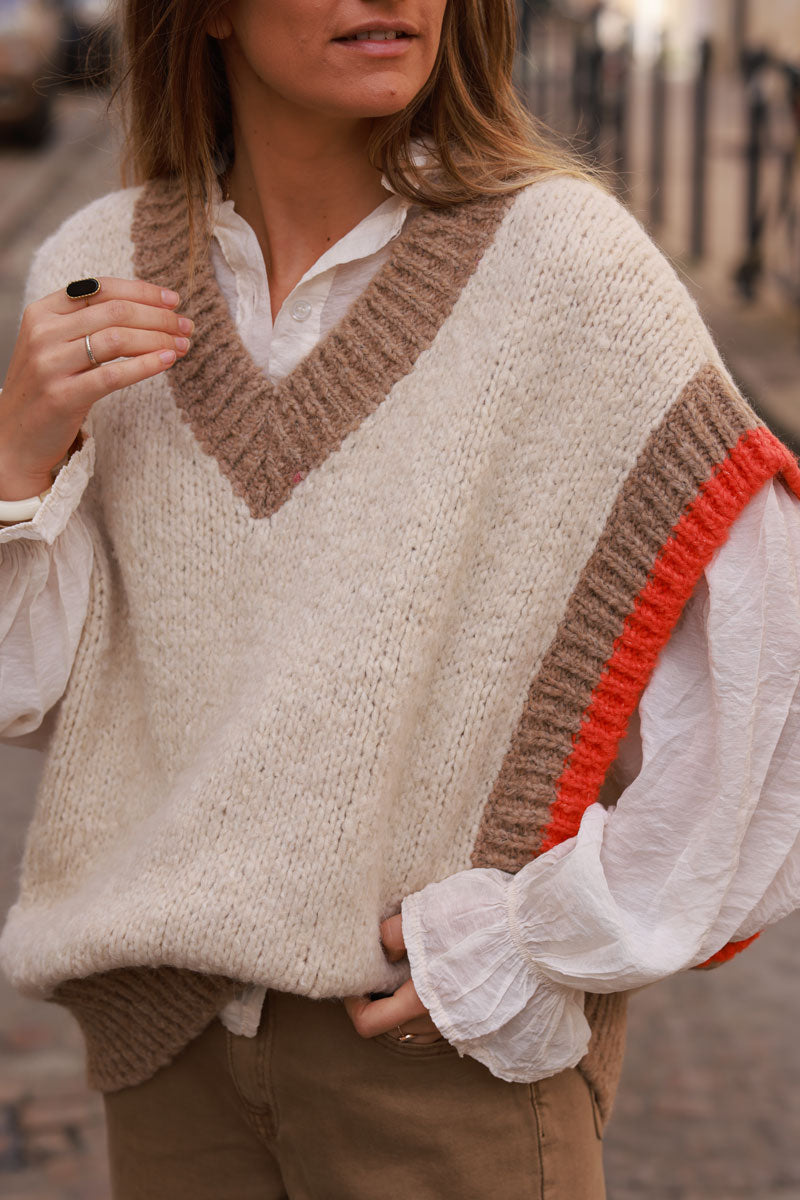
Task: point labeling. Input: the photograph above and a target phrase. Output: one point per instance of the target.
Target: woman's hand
(51, 383)
(404, 1008)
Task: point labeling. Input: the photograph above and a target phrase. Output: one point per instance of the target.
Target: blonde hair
(177, 111)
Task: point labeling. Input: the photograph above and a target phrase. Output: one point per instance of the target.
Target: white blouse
(703, 845)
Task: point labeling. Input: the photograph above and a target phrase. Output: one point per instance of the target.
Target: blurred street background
(693, 106)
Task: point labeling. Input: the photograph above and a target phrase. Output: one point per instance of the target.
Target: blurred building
(733, 24)
(695, 105)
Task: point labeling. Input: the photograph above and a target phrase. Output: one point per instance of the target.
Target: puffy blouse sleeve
(45, 570)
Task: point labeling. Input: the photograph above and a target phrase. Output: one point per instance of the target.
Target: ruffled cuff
(60, 504)
(484, 997)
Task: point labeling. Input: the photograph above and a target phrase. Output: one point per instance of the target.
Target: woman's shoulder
(95, 240)
(574, 206)
(568, 239)
(578, 225)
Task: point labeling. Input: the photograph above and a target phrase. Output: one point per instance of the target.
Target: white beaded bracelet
(14, 511)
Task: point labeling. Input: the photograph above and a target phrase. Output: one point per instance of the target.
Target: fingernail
(169, 298)
(182, 343)
(185, 325)
(167, 356)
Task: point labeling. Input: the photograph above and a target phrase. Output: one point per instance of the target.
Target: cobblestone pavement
(709, 1107)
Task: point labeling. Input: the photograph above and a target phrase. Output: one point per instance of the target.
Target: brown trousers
(308, 1110)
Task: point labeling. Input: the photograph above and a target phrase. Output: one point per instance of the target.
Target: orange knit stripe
(727, 952)
(757, 457)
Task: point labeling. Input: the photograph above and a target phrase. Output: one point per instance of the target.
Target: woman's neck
(300, 187)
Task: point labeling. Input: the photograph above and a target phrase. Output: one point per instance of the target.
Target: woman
(339, 618)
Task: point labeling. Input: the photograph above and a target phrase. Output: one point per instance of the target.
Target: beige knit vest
(375, 624)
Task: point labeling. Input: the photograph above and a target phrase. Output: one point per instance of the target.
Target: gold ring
(405, 1037)
(82, 289)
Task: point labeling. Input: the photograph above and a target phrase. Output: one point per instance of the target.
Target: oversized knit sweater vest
(378, 623)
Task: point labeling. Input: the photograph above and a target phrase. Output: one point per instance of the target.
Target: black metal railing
(773, 215)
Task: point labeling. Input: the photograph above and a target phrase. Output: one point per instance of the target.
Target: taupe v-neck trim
(267, 437)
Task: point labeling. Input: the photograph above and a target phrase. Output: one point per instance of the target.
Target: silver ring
(88, 345)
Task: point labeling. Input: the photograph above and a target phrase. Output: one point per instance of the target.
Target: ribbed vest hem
(135, 1020)
(602, 1063)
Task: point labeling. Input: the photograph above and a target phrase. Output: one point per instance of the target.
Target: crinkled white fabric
(702, 848)
(44, 594)
(483, 995)
(51, 520)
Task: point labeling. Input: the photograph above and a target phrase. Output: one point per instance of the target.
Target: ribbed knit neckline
(267, 437)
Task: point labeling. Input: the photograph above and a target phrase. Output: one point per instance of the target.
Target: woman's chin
(381, 98)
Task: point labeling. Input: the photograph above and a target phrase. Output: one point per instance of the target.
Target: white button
(301, 310)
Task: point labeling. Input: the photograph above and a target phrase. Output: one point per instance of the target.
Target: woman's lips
(380, 43)
(382, 49)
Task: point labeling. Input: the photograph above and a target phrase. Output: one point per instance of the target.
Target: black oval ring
(82, 289)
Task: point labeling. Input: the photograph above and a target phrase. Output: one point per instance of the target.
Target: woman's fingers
(392, 938)
(371, 1017)
(403, 1008)
(52, 382)
(112, 288)
(119, 314)
(90, 387)
(113, 343)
